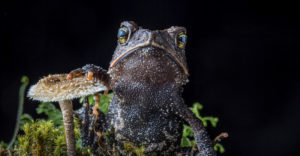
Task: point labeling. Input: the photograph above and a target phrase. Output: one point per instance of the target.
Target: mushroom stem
(67, 112)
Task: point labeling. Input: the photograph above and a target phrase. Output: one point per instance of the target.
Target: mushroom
(57, 88)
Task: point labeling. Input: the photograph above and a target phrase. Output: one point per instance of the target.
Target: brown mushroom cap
(58, 88)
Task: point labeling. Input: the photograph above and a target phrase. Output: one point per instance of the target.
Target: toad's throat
(166, 52)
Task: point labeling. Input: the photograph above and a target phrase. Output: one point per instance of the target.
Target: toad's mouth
(165, 51)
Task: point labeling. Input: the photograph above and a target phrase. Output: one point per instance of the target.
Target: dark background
(243, 59)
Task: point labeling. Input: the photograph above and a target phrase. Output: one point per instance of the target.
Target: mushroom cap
(58, 88)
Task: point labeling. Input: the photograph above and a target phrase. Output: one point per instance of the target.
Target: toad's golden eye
(123, 34)
(181, 40)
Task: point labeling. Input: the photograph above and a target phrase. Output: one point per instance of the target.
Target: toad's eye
(181, 40)
(123, 35)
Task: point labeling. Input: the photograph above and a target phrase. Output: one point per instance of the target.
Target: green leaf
(212, 120)
(25, 118)
(196, 108)
(51, 111)
(186, 142)
(104, 102)
(91, 99)
(187, 131)
(81, 100)
(219, 147)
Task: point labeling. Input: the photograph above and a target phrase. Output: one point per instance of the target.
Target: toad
(147, 73)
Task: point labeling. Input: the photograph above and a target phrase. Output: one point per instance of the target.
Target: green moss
(3, 144)
(40, 138)
(44, 138)
(130, 147)
(3, 147)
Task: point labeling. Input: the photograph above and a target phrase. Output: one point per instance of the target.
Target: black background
(242, 55)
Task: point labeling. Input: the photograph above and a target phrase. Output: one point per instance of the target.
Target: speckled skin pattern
(147, 74)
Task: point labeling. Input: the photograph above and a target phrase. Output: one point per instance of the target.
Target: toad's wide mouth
(165, 51)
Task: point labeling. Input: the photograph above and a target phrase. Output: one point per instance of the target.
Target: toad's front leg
(93, 72)
(204, 143)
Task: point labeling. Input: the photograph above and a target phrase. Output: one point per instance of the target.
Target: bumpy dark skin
(147, 73)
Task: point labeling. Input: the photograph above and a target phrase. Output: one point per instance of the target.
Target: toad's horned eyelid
(176, 30)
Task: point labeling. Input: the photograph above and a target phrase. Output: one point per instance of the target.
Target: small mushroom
(57, 88)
